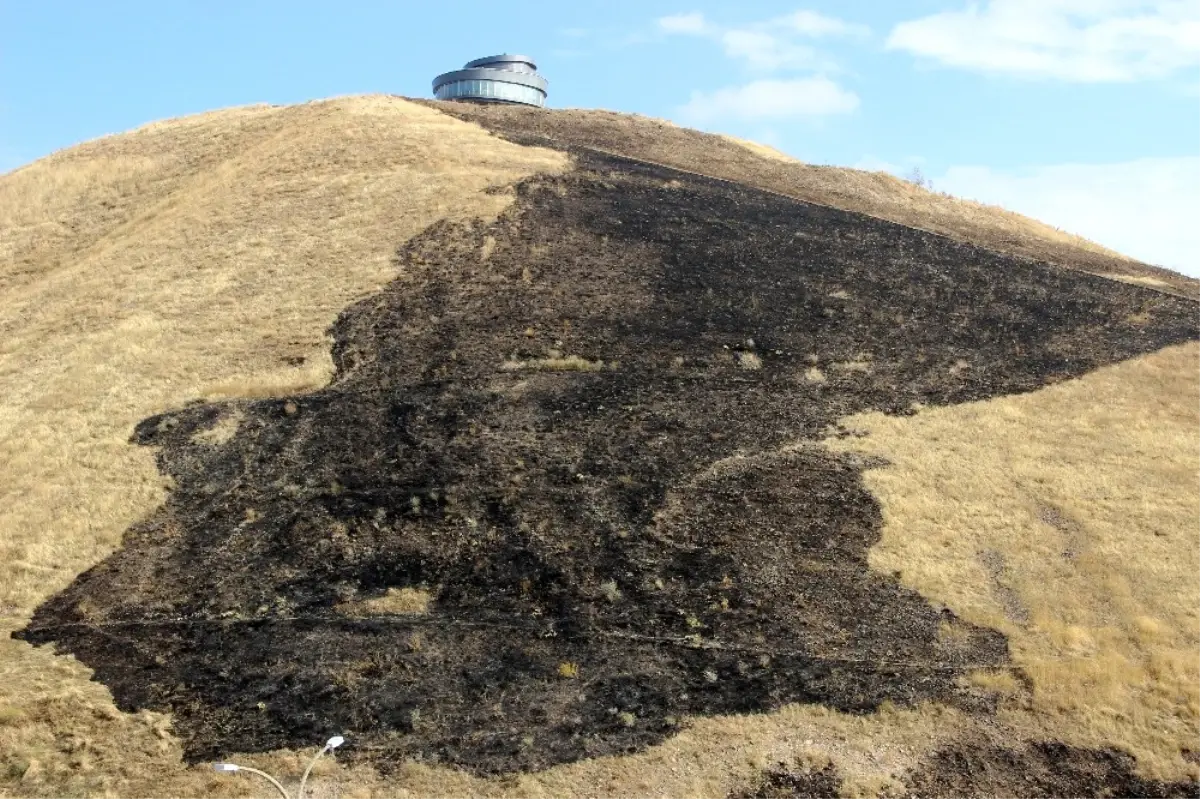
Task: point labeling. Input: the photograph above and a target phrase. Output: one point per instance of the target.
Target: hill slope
(584, 482)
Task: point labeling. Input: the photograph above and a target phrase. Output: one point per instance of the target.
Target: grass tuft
(569, 363)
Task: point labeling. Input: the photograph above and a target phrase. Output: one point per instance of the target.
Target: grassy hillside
(542, 471)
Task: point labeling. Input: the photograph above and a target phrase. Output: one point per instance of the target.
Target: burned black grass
(607, 551)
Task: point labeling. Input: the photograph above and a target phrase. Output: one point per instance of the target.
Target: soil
(591, 432)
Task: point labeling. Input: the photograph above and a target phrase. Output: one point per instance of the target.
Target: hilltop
(568, 452)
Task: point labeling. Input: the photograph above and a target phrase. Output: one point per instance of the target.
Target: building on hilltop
(495, 79)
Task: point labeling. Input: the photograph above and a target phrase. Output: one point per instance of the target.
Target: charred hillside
(873, 193)
(588, 435)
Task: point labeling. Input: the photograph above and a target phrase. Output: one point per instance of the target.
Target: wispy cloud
(693, 24)
(1089, 41)
(767, 52)
(771, 45)
(770, 99)
(1145, 208)
(813, 23)
(781, 45)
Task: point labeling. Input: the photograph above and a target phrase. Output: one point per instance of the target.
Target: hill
(633, 461)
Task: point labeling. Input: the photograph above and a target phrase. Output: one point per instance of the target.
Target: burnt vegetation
(608, 550)
(974, 768)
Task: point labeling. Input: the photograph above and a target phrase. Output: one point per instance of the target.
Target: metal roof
(504, 58)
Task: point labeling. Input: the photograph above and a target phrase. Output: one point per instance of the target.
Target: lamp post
(330, 745)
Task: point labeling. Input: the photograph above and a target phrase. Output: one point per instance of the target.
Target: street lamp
(330, 745)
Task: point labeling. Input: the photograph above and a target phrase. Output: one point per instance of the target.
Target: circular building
(495, 79)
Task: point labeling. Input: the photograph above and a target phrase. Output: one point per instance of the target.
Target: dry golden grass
(404, 601)
(194, 258)
(765, 150)
(814, 375)
(1066, 518)
(862, 363)
(1137, 280)
(749, 360)
(569, 363)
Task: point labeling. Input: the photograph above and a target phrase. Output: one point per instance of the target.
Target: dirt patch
(607, 551)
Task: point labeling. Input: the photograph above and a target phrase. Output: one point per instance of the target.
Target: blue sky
(1083, 113)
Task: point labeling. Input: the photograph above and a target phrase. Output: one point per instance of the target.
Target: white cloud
(1147, 208)
(770, 45)
(771, 99)
(1088, 41)
(812, 23)
(766, 51)
(778, 45)
(693, 24)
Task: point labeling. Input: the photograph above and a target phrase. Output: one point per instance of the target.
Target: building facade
(495, 79)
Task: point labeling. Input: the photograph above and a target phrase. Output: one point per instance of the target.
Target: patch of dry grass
(749, 360)
(1137, 280)
(569, 363)
(862, 363)
(222, 431)
(192, 258)
(402, 601)
(1067, 518)
(765, 150)
(814, 375)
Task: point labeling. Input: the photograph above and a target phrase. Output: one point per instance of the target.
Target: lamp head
(335, 742)
(226, 766)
